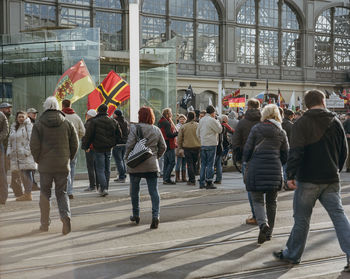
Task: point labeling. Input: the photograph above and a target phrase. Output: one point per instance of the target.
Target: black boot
(264, 228)
(155, 223)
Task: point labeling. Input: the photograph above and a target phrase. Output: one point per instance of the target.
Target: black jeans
(191, 155)
(91, 168)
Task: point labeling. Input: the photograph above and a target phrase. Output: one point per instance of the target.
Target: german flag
(112, 92)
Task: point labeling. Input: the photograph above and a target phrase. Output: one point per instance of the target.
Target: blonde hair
(271, 112)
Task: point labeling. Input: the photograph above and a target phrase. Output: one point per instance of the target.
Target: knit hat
(91, 112)
(5, 105)
(102, 108)
(118, 113)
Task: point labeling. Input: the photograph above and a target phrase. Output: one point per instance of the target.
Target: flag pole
(134, 46)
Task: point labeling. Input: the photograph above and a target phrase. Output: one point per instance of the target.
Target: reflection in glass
(342, 54)
(37, 15)
(76, 2)
(342, 21)
(111, 29)
(246, 14)
(289, 18)
(75, 17)
(208, 42)
(184, 32)
(323, 52)
(245, 45)
(154, 7)
(291, 49)
(153, 31)
(323, 23)
(183, 8)
(113, 4)
(206, 10)
(268, 13)
(268, 47)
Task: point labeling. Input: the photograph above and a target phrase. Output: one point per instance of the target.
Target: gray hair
(224, 118)
(51, 103)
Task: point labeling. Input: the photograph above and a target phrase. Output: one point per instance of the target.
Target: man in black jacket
(317, 155)
(239, 138)
(119, 149)
(103, 133)
(287, 122)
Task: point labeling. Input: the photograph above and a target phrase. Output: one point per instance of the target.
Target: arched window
(190, 21)
(278, 40)
(332, 39)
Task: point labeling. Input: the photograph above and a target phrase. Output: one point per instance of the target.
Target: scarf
(68, 111)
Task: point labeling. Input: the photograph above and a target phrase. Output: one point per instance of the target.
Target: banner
(237, 102)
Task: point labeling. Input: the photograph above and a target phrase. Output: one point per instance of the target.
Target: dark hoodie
(252, 117)
(54, 142)
(318, 148)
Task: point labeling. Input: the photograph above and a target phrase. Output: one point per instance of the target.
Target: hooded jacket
(318, 148)
(266, 150)
(54, 142)
(252, 117)
(18, 147)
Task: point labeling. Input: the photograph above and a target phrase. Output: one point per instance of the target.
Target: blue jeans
(3, 179)
(91, 168)
(118, 154)
(135, 194)
(70, 180)
(305, 198)
(180, 164)
(250, 199)
(27, 179)
(218, 166)
(103, 163)
(208, 154)
(46, 180)
(169, 163)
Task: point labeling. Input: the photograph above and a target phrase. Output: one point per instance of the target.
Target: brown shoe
(25, 197)
(251, 221)
(178, 179)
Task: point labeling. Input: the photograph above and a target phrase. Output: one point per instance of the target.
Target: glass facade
(278, 41)
(332, 38)
(194, 23)
(32, 63)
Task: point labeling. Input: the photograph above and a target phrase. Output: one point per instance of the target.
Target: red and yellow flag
(74, 84)
(112, 91)
(237, 102)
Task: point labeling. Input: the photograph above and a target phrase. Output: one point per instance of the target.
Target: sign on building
(334, 102)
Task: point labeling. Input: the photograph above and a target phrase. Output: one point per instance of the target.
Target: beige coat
(208, 131)
(77, 123)
(155, 141)
(187, 137)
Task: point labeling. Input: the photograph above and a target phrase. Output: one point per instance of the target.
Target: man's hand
(87, 150)
(292, 185)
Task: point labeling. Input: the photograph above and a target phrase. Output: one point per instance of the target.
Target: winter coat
(4, 128)
(125, 129)
(103, 133)
(265, 151)
(155, 141)
(77, 123)
(240, 136)
(232, 120)
(187, 137)
(208, 131)
(54, 142)
(318, 148)
(18, 147)
(346, 126)
(287, 126)
(169, 132)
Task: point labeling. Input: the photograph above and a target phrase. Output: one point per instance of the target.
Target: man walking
(80, 129)
(208, 131)
(317, 155)
(166, 125)
(53, 143)
(3, 181)
(103, 133)
(119, 149)
(239, 139)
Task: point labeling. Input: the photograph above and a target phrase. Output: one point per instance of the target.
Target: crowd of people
(302, 151)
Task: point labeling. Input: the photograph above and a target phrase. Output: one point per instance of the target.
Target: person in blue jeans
(317, 155)
(149, 168)
(208, 131)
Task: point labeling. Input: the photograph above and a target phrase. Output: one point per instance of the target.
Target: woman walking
(180, 156)
(148, 169)
(264, 154)
(20, 155)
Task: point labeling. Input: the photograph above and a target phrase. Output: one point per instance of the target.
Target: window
(37, 15)
(161, 22)
(112, 4)
(111, 29)
(332, 39)
(75, 17)
(278, 40)
(76, 2)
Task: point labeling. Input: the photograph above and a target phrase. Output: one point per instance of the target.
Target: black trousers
(191, 155)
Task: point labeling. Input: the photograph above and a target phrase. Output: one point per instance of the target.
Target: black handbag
(140, 152)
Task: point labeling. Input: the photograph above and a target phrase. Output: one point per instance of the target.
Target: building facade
(294, 44)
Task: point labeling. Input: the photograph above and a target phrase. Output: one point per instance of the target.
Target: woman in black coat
(264, 154)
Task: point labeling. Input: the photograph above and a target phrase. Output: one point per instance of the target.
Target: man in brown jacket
(54, 142)
(189, 142)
